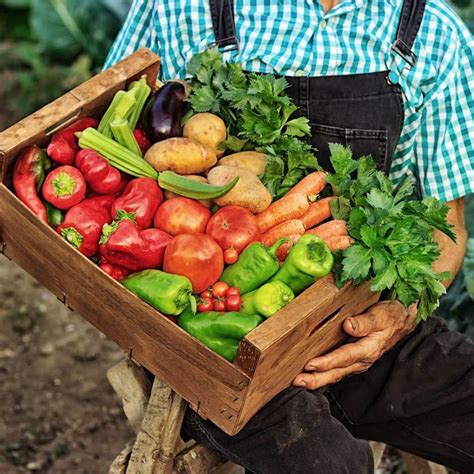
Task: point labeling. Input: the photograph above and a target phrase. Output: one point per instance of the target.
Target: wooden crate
(228, 394)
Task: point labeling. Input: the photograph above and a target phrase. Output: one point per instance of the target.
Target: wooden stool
(156, 413)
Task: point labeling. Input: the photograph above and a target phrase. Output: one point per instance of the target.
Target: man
(391, 78)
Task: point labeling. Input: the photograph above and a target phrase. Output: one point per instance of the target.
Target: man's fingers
(345, 356)
(318, 380)
(361, 325)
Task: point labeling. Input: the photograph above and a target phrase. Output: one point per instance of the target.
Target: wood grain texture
(302, 330)
(197, 459)
(154, 448)
(131, 383)
(211, 384)
(90, 98)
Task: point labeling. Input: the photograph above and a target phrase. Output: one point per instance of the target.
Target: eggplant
(164, 111)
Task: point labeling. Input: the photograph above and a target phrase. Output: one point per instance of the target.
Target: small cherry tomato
(206, 294)
(233, 303)
(232, 291)
(172, 319)
(205, 304)
(219, 305)
(230, 256)
(219, 289)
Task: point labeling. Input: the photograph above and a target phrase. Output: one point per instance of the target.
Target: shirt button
(323, 24)
(299, 73)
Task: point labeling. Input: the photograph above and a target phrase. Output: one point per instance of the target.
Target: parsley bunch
(393, 233)
(258, 115)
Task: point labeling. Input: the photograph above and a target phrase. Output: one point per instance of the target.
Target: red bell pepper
(101, 177)
(116, 272)
(140, 200)
(82, 225)
(125, 245)
(28, 177)
(64, 187)
(142, 139)
(63, 146)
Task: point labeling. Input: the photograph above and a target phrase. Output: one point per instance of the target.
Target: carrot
(338, 242)
(285, 248)
(310, 185)
(291, 227)
(318, 212)
(288, 207)
(329, 229)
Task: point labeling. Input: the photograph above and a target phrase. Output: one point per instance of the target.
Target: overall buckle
(400, 48)
(225, 45)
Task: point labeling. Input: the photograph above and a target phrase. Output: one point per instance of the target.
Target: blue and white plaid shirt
(296, 37)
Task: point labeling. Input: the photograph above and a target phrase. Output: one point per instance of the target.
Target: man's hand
(379, 329)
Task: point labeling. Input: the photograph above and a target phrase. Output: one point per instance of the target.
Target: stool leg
(154, 448)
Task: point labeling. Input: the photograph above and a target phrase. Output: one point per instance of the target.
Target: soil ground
(58, 413)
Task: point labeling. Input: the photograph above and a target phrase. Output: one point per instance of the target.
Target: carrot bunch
(300, 212)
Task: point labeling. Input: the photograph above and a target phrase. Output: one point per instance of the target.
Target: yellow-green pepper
(268, 299)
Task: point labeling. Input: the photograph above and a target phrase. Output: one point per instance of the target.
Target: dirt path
(58, 414)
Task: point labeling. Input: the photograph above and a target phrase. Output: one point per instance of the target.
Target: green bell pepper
(221, 332)
(166, 292)
(256, 265)
(308, 260)
(268, 299)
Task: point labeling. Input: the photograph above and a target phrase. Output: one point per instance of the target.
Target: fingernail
(301, 382)
(353, 324)
(311, 367)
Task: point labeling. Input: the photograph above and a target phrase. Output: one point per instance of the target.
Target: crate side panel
(280, 362)
(211, 384)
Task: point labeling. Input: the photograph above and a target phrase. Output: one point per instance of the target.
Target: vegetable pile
(219, 241)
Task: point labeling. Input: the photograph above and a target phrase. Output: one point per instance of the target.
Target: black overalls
(420, 395)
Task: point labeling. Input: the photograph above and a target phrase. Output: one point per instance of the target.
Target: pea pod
(309, 260)
(166, 292)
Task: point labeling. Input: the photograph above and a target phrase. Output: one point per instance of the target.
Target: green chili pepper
(166, 292)
(308, 260)
(221, 332)
(55, 216)
(268, 299)
(256, 265)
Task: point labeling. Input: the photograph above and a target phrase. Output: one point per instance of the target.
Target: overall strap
(408, 26)
(222, 14)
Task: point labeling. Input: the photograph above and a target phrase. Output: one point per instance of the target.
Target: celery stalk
(120, 107)
(141, 91)
(117, 155)
(123, 134)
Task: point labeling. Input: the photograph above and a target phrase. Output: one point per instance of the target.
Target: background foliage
(49, 46)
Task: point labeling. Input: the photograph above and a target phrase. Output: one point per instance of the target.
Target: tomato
(233, 303)
(233, 227)
(206, 294)
(219, 306)
(230, 256)
(180, 215)
(205, 304)
(219, 289)
(232, 290)
(197, 257)
(172, 319)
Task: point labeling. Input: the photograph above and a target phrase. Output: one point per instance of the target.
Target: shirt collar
(344, 7)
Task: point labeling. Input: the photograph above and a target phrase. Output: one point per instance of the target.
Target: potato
(194, 177)
(247, 160)
(206, 128)
(181, 155)
(249, 192)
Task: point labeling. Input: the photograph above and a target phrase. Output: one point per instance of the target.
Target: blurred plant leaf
(64, 28)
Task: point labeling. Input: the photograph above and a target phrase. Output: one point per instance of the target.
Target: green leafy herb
(393, 234)
(258, 114)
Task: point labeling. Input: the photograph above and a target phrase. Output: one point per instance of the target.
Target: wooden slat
(213, 386)
(90, 98)
(153, 451)
(283, 357)
(197, 459)
(132, 385)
